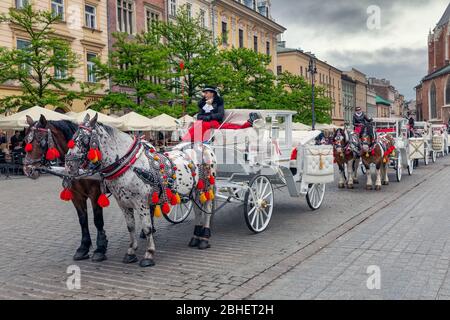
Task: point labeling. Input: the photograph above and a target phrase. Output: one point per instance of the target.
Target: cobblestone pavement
(39, 235)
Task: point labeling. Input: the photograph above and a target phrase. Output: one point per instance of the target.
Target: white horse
(143, 181)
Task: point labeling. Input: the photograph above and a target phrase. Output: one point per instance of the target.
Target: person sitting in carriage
(360, 119)
(211, 115)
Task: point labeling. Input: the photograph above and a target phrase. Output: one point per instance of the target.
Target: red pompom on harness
(66, 195)
(103, 201)
(28, 147)
(52, 154)
(71, 144)
(94, 155)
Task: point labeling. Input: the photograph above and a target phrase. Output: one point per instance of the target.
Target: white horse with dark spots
(144, 181)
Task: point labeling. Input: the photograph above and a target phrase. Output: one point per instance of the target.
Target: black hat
(358, 109)
(211, 89)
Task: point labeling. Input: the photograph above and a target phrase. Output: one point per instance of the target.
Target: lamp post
(312, 69)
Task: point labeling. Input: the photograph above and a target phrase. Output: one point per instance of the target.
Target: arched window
(433, 109)
(447, 92)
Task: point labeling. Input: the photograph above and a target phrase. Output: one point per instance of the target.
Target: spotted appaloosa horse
(137, 176)
(375, 150)
(42, 135)
(346, 154)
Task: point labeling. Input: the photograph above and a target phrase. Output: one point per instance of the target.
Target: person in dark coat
(211, 115)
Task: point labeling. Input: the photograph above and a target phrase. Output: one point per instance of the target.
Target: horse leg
(195, 240)
(80, 204)
(147, 228)
(130, 257)
(378, 181)
(369, 185)
(350, 174)
(342, 176)
(102, 241)
(385, 174)
(356, 163)
(206, 231)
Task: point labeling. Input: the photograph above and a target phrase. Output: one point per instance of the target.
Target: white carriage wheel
(180, 212)
(427, 158)
(398, 168)
(315, 195)
(410, 167)
(258, 204)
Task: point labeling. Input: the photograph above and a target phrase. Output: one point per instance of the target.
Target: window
(301, 71)
(125, 16)
(279, 70)
(189, 10)
(151, 18)
(268, 48)
(58, 8)
(91, 77)
(255, 43)
(24, 45)
(241, 38)
(90, 16)
(224, 33)
(203, 18)
(173, 7)
(433, 109)
(21, 3)
(447, 92)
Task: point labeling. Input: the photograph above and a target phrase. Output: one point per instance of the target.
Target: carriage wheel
(315, 195)
(180, 212)
(398, 168)
(426, 158)
(410, 167)
(433, 156)
(258, 204)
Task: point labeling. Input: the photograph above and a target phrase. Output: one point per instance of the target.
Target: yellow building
(84, 26)
(246, 24)
(296, 62)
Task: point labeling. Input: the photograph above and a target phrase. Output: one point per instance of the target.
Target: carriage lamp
(312, 69)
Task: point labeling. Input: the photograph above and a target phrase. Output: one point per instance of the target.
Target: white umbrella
(321, 126)
(164, 122)
(186, 121)
(19, 120)
(135, 122)
(296, 126)
(102, 118)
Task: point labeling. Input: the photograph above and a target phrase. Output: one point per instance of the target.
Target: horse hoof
(81, 255)
(378, 188)
(350, 186)
(145, 263)
(130, 258)
(204, 244)
(142, 235)
(194, 242)
(369, 188)
(99, 257)
(341, 186)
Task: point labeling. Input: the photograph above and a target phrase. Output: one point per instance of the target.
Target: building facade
(196, 8)
(296, 62)
(84, 26)
(246, 24)
(372, 111)
(361, 87)
(433, 93)
(348, 99)
(388, 93)
(383, 107)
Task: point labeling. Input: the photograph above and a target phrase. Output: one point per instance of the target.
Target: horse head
(46, 143)
(340, 140)
(366, 138)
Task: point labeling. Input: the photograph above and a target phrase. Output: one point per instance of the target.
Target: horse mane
(110, 130)
(67, 128)
(368, 130)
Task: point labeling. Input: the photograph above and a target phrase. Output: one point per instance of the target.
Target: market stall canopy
(187, 120)
(102, 118)
(297, 126)
(18, 120)
(164, 122)
(135, 122)
(321, 126)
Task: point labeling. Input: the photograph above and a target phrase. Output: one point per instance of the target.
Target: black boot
(253, 116)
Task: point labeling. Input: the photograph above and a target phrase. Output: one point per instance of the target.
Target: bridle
(45, 140)
(86, 141)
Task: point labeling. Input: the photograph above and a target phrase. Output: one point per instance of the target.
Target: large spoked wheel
(410, 167)
(398, 168)
(180, 212)
(315, 195)
(258, 204)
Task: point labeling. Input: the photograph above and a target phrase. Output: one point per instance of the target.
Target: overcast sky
(338, 32)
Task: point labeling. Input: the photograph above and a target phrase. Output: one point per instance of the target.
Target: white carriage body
(417, 148)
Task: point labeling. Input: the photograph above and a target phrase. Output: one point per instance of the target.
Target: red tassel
(208, 196)
(166, 208)
(28, 147)
(94, 155)
(155, 198)
(66, 195)
(373, 152)
(161, 166)
(212, 180)
(52, 154)
(91, 155)
(71, 144)
(200, 185)
(173, 200)
(169, 193)
(103, 201)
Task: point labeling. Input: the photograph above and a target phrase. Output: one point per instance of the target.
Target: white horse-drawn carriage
(254, 162)
(439, 139)
(397, 129)
(420, 147)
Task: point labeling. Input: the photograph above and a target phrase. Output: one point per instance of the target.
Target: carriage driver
(360, 119)
(210, 116)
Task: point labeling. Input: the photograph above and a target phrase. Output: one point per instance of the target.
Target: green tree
(190, 43)
(139, 66)
(295, 93)
(42, 65)
(248, 82)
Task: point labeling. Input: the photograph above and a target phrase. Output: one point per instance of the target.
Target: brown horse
(44, 135)
(345, 154)
(374, 151)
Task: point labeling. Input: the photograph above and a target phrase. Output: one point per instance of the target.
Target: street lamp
(312, 69)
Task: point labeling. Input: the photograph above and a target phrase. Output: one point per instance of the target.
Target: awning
(135, 122)
(102, 118)
(18, 120)
(164, 122)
